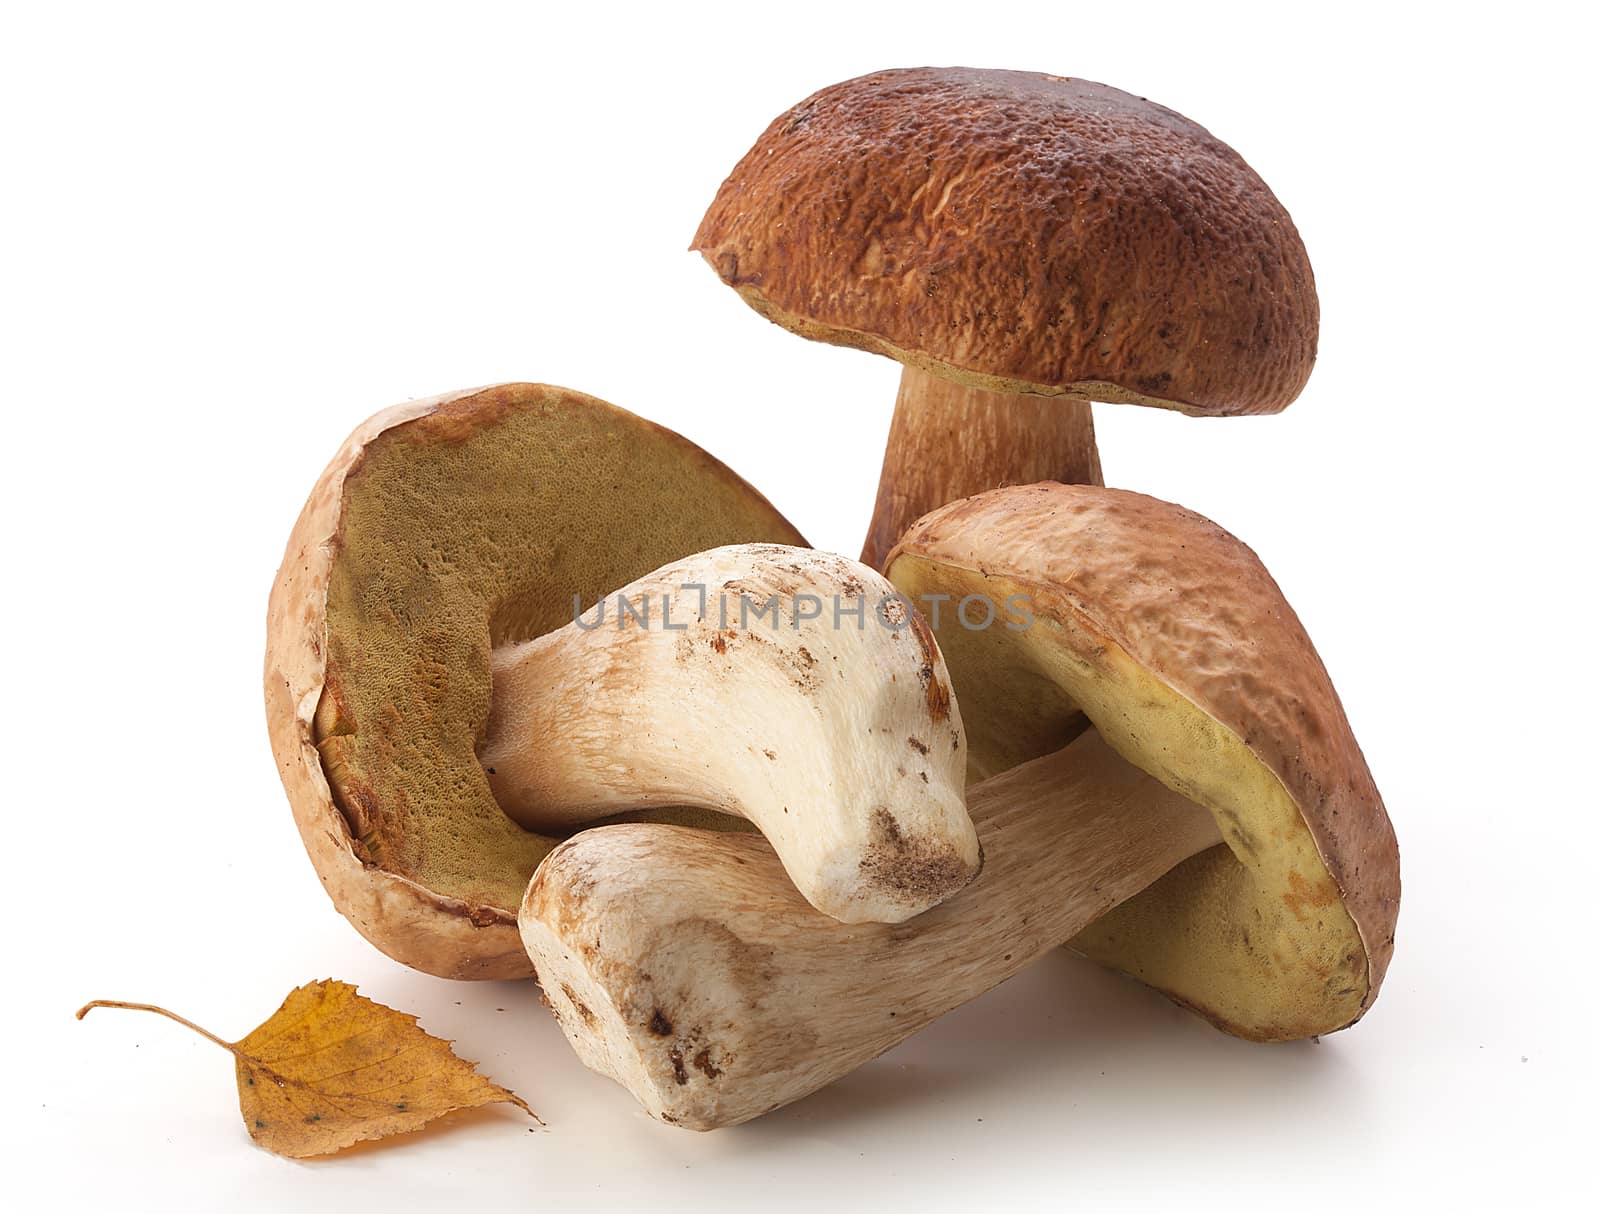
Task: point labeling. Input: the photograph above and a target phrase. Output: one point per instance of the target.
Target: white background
(229, 236)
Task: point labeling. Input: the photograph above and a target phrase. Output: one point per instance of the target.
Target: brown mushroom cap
(1175, 641)
(442, 528)
(1022, 233)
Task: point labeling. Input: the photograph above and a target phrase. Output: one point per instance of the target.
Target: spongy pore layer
(1171, 637)
(473, 526)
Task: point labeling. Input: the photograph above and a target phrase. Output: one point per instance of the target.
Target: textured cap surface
(1172, 637)
(1025, 233)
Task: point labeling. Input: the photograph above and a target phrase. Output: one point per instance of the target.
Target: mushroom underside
(1252, 933)
(467, 529)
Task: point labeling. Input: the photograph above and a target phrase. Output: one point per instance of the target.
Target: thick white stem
(681, 963)
(783, 685)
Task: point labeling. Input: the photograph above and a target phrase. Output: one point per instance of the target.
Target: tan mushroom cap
(1175, 641)
(1022, 233)
(442, 528)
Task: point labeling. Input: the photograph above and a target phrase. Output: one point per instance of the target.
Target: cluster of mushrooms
(759, 812)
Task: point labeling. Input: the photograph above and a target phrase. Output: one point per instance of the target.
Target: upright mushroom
(689, 973)
(442, 529)
(1023, 244)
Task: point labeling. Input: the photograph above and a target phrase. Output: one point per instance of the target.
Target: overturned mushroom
(679, 965)
(442, 529)
(789, 687)
(1023, 244)
(1170, 635)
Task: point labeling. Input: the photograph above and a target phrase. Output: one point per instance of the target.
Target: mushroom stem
(684, 966)
(949, 441)
(790, 687)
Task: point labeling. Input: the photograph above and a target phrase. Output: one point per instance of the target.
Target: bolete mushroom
(689, 970)
(1023, 244)
(1174, 640)
(789, 687)
(716, 995)
(442, 529)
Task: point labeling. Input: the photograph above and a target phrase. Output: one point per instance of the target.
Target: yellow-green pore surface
(1255, 934)
(468, 528)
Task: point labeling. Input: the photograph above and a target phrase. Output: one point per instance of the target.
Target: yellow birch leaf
(331, 1068)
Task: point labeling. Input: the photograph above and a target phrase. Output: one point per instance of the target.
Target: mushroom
(689, 970)
(789, 687)
(1022, 244)
(1174, 640)
(678, 964)
(442, 529)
